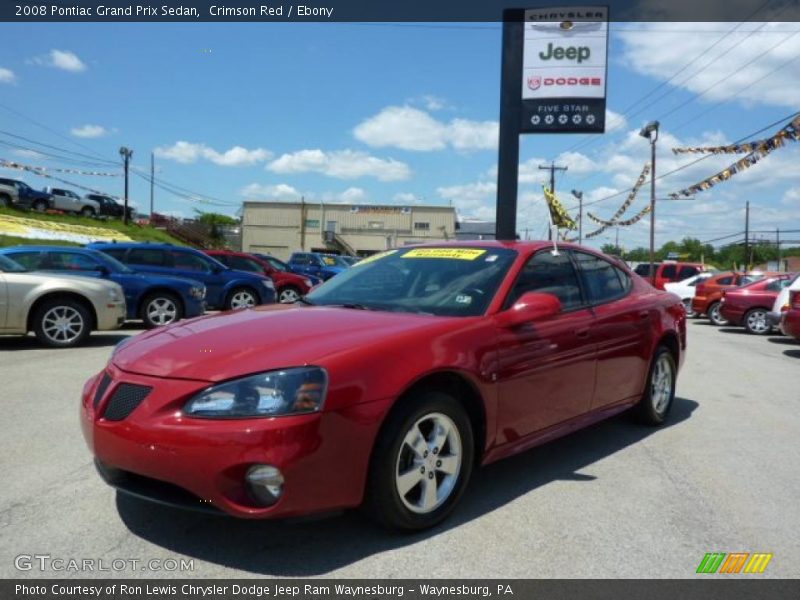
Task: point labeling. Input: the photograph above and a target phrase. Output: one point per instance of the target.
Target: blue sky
(395, 113)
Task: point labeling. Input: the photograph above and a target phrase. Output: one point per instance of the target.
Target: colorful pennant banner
(558, 213)
(15, 165)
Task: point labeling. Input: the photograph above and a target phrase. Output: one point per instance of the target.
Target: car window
(70, 261)
(777, 285)
(548, 274)
(328, 261)
(725, 280)
(147, 256)
(189, 262)
(30, 260)
(118, 253)
(276, 263)
(687, 272)
(603, 281)
(242, 263)
(668, 272)
(642, 270)
(299, 259)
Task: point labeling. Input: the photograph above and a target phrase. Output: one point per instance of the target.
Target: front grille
(101, 389)
(125, 400)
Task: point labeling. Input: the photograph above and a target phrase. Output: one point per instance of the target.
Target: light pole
(126, 154)
(650, 131)
(579, 196)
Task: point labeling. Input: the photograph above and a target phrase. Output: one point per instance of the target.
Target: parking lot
(616, 500)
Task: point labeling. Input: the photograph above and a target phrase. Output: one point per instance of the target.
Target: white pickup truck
(69, 201)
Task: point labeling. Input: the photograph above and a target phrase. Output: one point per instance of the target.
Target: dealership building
(280, 228)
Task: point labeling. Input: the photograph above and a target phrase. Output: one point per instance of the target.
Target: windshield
(279, 265)
(341, 261)
(112, 263)
(9, 266)
(459, 282)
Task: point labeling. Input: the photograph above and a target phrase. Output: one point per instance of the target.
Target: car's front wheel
(289, 295)
(715, 315)
(241, 298)
(421, 463)
(159, 309)
(755, 322)
(40, 205)
(660, 391)
(61, 323)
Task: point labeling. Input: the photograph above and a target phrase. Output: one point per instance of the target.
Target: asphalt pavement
(615, 500)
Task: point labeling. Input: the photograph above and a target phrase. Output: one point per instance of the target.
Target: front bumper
(323, 457)
(111, 315)
(193, 307)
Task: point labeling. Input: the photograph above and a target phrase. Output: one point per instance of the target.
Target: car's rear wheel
(40, 205)
(62, 323)
(289, 294)
(660, 391)
(715, 315)
(755, 322)
(241, 298)
(87, 211)
(161, 308)
(421, 463)
(687, 304)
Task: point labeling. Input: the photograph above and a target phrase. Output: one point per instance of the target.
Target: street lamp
(650, 131)
(579, 196)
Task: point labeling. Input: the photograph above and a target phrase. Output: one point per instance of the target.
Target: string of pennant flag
(6, 163)
(9, 164)
(558, 214)
(613, 221)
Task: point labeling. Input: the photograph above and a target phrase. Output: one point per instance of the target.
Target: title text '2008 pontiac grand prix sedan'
(386, 385)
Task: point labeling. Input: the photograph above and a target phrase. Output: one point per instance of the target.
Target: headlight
(308, 282)
(268, 284)
(271, 394)
(198, 293)
(114, 294)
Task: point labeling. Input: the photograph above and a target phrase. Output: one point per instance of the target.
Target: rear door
(622, 329)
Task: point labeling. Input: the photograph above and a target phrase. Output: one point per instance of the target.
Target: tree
(214, 224)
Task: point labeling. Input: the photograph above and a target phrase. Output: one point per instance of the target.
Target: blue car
(226, 289)
(156, 300)
(315, 264)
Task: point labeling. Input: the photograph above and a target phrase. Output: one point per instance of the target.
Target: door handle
(582, 333)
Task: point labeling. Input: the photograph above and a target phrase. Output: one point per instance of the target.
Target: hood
(71, 281)
(233, 344)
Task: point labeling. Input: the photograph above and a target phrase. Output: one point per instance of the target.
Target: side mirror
(531, 306)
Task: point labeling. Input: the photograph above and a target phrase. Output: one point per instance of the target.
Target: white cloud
(7, 76)
(188, 152)
(281, 191)
(407, 198)
(660, 54)
(614, 121)
(60, 59)
(89, 131)
(341, 164)
(33, 154)
(410, 128)
(475, 200)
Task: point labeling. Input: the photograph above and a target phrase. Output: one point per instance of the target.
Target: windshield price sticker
(374, 257)
(457, 253)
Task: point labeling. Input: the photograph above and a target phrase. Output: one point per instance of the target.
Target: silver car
(69, 201)
(62, 310)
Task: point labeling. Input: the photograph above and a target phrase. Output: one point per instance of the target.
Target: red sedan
(750, 304)
(390, 382)
(791, 318)
(289, 287)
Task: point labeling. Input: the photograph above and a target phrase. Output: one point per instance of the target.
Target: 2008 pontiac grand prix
(386, 385)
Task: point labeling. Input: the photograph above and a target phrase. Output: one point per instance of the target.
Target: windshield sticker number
(457, 253)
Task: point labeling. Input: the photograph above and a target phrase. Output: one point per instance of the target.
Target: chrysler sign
(564, 70)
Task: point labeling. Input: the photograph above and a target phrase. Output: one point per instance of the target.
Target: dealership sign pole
(553, 80)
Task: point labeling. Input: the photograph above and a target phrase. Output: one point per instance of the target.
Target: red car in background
(289, 287)
(669, 271)
(708, 294)
(390, 382)
(750, 304)
(791, 318)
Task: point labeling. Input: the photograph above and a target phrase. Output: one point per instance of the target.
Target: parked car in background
(385, 386)
(708, 293)
(790, 322)
(319, 265)
(18, 194)
(279, 265)
(155, 299)
(225, 288)
(61, 310)
(109, 207)
(782, 304)
(749, 304)
(69, 201)
(347, 260)
(669, 271)
(289, 287)
(685, 290)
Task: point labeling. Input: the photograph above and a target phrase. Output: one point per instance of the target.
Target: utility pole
(552, 168)
(152, 177)
(126, 154)
(747, 236)
(778, 244)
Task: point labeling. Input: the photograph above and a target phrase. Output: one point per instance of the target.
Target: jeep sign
(564, 70)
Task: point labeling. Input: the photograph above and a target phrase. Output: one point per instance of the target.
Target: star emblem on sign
(549, 119)
(590, 119)
(536, 119)
(563, 119)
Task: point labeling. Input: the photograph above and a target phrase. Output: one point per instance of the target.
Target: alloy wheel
(242, 299)
(661, 384)
(161, 311)
(715, 316)
(288, 296)
(757, 321)
(63, 324)
(429, 463)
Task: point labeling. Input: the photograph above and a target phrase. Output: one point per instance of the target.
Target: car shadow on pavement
(785, 340)
(792, 353)
(731, 329)
(29, 342)
(306, 548)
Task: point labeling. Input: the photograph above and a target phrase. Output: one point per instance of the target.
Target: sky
(397, 113)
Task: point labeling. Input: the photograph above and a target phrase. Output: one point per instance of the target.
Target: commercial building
(280, 228)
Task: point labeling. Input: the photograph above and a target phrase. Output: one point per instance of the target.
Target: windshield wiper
(356, 306)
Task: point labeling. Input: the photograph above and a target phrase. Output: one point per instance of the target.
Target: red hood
(220, 347)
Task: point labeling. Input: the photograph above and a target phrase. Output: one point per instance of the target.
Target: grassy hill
(139, 233)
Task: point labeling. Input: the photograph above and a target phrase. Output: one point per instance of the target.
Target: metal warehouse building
(280, 228)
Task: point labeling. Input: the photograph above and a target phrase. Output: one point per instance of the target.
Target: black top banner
(430, 11)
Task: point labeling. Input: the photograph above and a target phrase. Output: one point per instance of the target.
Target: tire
(715, 316)
(687, 304)
(159, 309)
(289, 294)
(755, 322)
(40, 205)
(242, 297)
(62, 323)
(87, 211)
(659, 393)
(396, 468)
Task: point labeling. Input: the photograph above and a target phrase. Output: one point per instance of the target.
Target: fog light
(265, 484)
